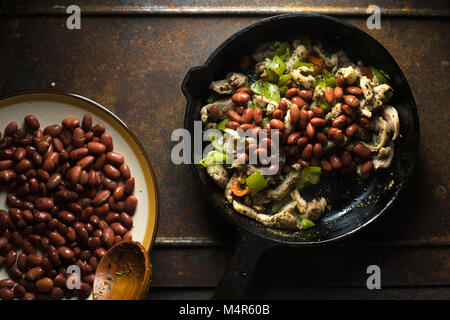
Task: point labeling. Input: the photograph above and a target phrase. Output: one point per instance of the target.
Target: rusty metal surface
(134, 65)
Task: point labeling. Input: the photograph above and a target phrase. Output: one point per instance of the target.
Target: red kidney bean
(362, 151)
(310, 131)
(305, 94)
(277, 114)
(354, 90)
(240, 98)
(234, 116)
(318, 122)
(340, 121)
(291, 92)
(340, 81)
(351, 129)
(338, 137)
(11, 128)
(111, 172)
(329, 95)
(335, 161)
(352, 101)
(326, 166)
(125, 171)
(131, 204)
(338, 93)
(298, 101)
(276, 124)
(366, 166)
(346, 158)
(307, 151)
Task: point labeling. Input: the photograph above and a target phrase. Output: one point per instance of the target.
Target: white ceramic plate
(51, 108)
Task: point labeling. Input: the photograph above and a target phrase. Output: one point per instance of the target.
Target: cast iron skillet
(353, 205)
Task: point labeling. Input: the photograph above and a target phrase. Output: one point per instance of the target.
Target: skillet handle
(237, 279)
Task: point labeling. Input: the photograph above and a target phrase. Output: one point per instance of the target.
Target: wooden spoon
(123, 273)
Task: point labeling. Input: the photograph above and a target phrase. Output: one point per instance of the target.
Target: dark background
(132, 57)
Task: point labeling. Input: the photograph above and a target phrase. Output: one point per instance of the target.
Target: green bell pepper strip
(303, 223)
(322, 82)
(284, 51)
(283, 90)
(221, 124)
(329, 78)
(325, 107)
(277, 65)
(213, 157)
(310, 175)
(256, 182)
(381, 75)
(265, 121)
(299, 64)
(306, 224)
(284, 79)
(267, 89)
(272, 76)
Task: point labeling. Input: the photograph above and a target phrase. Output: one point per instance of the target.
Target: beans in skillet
(70, 198)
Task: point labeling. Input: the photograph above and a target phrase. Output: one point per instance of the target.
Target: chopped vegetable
(325, 107)
(267, 89)
(299, 64)
(221, 124)
(330, 79)
(322, 82)
(306, 224)
(237, 190)
(284, 51)
(310, 175)
(382, 76)
(277, 65)
(272, 76)
(284, 79)
(213, 157)
(256, 182)
(319, 65)
(265, 121)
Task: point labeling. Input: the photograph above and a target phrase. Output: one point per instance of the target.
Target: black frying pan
(343, 193)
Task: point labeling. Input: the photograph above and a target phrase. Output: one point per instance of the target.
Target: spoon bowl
(123, 273)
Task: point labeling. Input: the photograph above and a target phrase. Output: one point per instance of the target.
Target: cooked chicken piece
(285, 187)
(390, 114)
(318, 97)
(382, 138)
(304, 81)
(260, 67)
(306, 70)
(335, 112)
(300, 202)
(312, 210)
(222, 105)
(260, 198)
(315, 209)
(300, 54)
(384, 157)
(367, 90)
(228, 85)
(282, 220)
(350, 74)
(218, 173)
(380, 94)
(288, 125)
